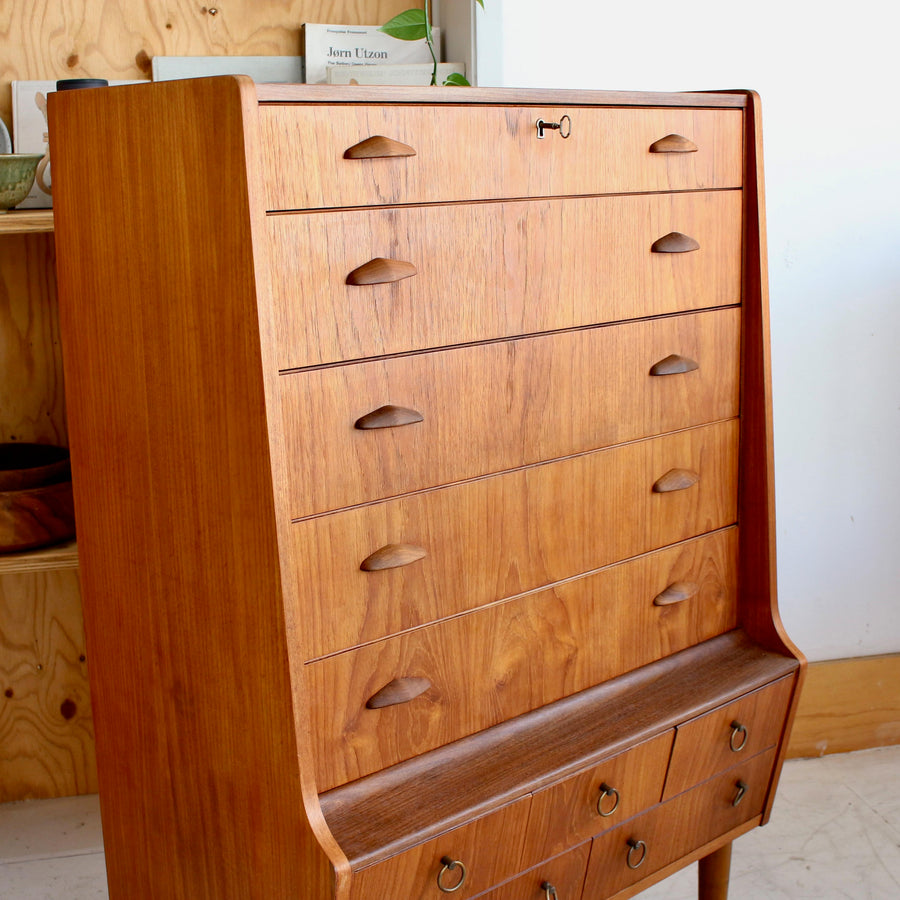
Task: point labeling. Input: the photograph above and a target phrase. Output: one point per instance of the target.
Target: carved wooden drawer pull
(677, 592)
(607, 791)
(674, 242)
(450, 865)
(392, 556)
(675, 480)
(549, 891)
(381, 271)
(389, 416)
(673, 143)
(400, 690)
(674, 364)
(378, 147)
(739, 735)
(637, 853)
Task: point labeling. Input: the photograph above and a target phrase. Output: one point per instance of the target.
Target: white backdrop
(831, 122)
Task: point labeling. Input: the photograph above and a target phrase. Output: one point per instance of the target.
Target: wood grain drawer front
(500, 406)
(513, 268)
(440, 683)
(500, 536)
(482, 153)
(597, 800)
(717, 740)
(489, 849)
(561, 878)
(643, 845)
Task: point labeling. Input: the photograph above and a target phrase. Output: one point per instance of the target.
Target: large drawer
(463, 546)
(464, 862)
(391, 700)
(492, 270)
(488, 152)
(653, 840)
(490, 408)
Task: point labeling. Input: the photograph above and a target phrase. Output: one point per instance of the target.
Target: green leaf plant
(415, 25)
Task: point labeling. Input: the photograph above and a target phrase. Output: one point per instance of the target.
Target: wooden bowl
(32, 465)
(36, 507)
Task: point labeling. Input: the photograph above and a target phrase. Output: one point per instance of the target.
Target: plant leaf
(480, 3)
(407, 26)
(456, 80)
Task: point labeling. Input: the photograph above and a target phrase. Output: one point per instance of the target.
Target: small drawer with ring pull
(461, 863)
(727, 735)
(593, 801)
(560, 878)
(671, 830)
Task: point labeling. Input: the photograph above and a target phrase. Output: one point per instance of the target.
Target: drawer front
(463, 546)
(484, 153)
(485, 860)
(391, 700)
(499, 262)
(719, 739)
(597, 800)
(487, 409)
(677, 827)
(561, 878)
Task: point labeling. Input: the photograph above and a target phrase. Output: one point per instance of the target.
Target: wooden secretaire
(423, 467)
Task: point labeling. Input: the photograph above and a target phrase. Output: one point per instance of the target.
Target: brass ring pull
(549, 891)
(607, 791)
(563, 126)
(737, 730)
(450, 865)
(632, 846)
(739, 794)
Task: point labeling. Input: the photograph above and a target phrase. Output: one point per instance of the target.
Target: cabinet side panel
(758, 598)
(197, 757)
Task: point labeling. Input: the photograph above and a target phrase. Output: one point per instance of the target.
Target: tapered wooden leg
(713, 874)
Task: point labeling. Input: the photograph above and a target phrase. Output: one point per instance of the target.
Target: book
(405, 73)
(269, 69)
(357, 45)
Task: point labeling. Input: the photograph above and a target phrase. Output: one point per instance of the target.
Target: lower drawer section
(495, 537)
(464, 862)
(662, 835)
(395, 699)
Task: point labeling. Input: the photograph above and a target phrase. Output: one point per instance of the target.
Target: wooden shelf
(61, 556)
(26, 221)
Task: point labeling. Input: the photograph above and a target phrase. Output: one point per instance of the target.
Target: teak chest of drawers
(423, 469)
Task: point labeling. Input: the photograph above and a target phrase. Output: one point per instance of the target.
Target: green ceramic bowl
(16, 177)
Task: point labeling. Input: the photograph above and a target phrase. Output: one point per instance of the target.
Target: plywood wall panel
(46, 733)
(116, 39)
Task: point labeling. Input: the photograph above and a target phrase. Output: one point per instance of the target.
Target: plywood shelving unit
(46, 734)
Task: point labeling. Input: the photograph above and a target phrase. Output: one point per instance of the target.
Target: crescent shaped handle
(675, 480)
(400, 690)
(673, 143)
(381, 271)
(378, 147)
(392, 556)
(674, 364)
(677, 592)
(674, 242)
(389, 416)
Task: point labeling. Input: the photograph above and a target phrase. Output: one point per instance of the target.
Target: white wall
(831, 124)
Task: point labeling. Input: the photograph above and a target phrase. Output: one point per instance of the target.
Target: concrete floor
(834, 833)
